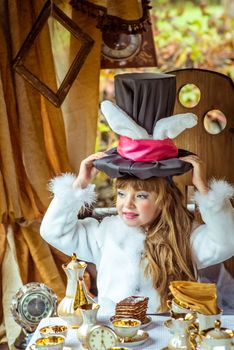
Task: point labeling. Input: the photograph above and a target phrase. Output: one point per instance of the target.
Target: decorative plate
(138, 339)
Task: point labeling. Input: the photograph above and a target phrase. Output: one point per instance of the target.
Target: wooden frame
(86, 44)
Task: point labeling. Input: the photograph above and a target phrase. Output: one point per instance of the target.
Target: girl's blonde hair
(167, 244)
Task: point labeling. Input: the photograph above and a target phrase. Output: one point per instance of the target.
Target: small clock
(121, 46)
(30, 305)
(125, 50)
(101, 338)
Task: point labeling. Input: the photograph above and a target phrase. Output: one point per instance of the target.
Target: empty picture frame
(56, 93)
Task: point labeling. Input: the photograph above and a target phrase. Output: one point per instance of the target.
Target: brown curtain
(37, 142)
(33, 146)
(32, 150)
(80, 108)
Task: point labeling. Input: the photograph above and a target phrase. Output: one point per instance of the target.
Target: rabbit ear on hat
(171, 127)
(121, 123)
(146, 150)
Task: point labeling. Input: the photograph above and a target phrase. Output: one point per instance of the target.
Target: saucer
(145, 323)
(138, 339)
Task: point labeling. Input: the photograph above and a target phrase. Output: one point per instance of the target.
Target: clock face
(120, 46)
(102, 338)
(35, 306)
(32, 302)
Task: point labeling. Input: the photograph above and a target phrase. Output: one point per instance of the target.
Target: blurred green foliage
(189, 95)
(187, 34)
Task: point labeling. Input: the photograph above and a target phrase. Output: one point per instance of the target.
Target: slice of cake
(132, 307)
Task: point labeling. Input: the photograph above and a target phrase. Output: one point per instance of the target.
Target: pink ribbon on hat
(146, 150)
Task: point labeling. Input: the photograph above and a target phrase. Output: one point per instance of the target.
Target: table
(158, 334)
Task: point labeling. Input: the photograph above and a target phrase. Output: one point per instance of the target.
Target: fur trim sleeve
(61, 187)
(220, 191)
(213, 241)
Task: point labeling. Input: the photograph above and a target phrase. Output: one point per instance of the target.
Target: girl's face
(136, 208)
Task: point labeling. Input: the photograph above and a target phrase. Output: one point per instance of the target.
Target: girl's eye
(120, 194)
(142, 195)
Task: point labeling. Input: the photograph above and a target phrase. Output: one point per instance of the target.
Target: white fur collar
(124, 235)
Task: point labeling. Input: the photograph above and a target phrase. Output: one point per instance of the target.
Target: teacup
(126, 328)
(177, 306)
(54, 330)
(55, 342)
(208, 321)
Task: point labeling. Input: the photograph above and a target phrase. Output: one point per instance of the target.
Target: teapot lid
(74, 263)
(217, 332)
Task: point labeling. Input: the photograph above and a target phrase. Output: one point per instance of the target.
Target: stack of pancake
(132, 307)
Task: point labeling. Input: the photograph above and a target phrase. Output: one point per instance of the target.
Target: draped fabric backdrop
(33, 149)
(39, 141)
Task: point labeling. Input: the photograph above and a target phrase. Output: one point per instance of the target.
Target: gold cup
(177, 306)
(54, 330)
(54, 342)
(126, 328)
(208, 321)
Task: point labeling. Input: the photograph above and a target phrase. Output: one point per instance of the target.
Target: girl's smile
(130, 215)
(136, 208)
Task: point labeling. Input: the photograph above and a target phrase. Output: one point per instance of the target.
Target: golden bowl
(54, 330)
(126, 328)
(53, 342)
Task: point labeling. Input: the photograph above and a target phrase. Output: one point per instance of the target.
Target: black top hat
(142, 118)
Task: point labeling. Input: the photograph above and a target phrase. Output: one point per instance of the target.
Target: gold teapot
(213, 338)
(76, 292)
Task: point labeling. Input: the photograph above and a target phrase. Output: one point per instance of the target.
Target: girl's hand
(87, 170)
(199, 173)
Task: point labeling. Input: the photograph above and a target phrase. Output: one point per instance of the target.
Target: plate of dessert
(133, 307)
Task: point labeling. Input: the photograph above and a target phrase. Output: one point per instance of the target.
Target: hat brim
(116, 166)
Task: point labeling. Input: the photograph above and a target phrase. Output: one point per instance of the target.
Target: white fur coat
(116, 249)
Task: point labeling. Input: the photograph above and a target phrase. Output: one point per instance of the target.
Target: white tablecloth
(158, 334)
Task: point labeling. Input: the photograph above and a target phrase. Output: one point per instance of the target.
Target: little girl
(153, 239)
